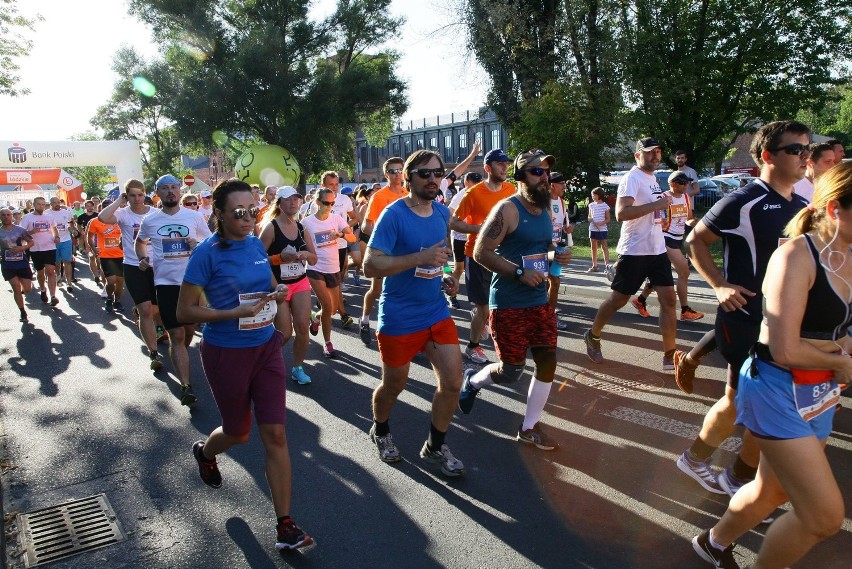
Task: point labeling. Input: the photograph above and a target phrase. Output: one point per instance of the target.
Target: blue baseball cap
(346, 191)
(496, 155)
(167, 179)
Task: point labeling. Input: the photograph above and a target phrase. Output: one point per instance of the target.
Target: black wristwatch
(519, 272)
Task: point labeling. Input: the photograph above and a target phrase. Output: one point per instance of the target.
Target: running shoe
(346, 320)
(54, 301)
(187, 395)
(290, 536)
(562, 325)
(700, 471)
(593, 270)
(467, 396)
(44, 296)
(156, 363)
(536, 437)
(730, 483)
(117, 306)
(207, 468)
(668, 364)
(593, 347)
(315, 324)
(476, 355)
(299, 376)
(454, 303)
(641, 308)
(486, 332)
(108, 304)
(357, 280)
(24, 316)
(366, 335)
(690, 314)
(450, 465)
(718, 558)
(610, 272)
(684, 371)
(387, 450)
(328, 350)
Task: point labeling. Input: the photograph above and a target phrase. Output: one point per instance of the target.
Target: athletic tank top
(827, 316)
(288, 273)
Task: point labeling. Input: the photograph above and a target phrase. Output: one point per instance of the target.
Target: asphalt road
(83, 415)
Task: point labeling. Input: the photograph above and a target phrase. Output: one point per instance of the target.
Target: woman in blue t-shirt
(240, 348)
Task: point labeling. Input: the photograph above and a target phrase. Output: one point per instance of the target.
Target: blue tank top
(527, 246)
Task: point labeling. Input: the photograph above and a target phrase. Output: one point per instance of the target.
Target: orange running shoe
(690, 314)
(640, 308)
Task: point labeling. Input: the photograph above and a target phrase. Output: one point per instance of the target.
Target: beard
(169, 203)
(426, 193)
(538, 195)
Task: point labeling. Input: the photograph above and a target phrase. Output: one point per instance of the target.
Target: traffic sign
(189, 179)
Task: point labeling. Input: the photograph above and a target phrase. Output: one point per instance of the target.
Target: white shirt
(170, 235)
(454, 205)
(805, 188)
(678, 213)
(39, 227)
(319, 230)
(557, 217)
(62, 218)
(643, 235)
(205, 211)
(598, 213)
(342, 206)
(129, 223)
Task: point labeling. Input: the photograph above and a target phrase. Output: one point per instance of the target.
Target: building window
(462, 140)
(395, 149)
(419, 143)
(407, 147)
(433, 143)
(495, 139)
(363, 157)
(477, 137)
(448, 148)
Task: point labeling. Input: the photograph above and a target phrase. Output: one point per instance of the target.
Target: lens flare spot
(144, 86)
(220, 138)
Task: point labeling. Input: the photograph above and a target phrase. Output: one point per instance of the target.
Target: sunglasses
(795, 149)
(394, 170)
(191, 204)
(680, 182)
(327, 204)
(424, 173)
(537, 171)
(241, 212)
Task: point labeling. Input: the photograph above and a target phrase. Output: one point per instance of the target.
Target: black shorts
(23, 273)
(113, 266)
(341, 256)
(734, 337)
(140, 284)
(167, 299)
(42, 258)
(458, 250)
(365, 237)
(331, 280)
(632, 270)
(672, 243)
(478, 280)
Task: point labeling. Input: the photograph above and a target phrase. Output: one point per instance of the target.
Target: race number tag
(326, 238)
(291, 270)
(814, 400)
(10, 256)
(557, 232)
(427, 271)
(39, 226)
(112, 242)
(536, 262)
(264, 317)
(175, 247)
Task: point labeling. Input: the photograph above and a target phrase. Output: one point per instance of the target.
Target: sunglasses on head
(424, 173)
(394, 171)
(241, 212)
(795, 149)
(325, 203)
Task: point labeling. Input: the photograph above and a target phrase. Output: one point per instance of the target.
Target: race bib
(814, 400)
(427, 271)
(264, 317)
(175, 247)
(679, 211)
(112, 242)
(10, 256)
(557, 232)
(41, 226)
(290, 270)
(536, 262)
(326, 238)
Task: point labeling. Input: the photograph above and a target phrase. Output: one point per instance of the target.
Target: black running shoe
(719, 558)
(118, 306)
(187, 395)
(54, 301)
(208, 469)
(291, 536)
(366, 334)
(44, 297)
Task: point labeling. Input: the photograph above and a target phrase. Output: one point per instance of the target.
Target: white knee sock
(483, 377)
(536, 399)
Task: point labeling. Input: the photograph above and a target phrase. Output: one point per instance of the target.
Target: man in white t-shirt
(821, 161)
(65, 223)
(42, 227)
(173, 232)
(642, 251)
(693, 188)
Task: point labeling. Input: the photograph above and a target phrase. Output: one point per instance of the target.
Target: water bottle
(564, 243)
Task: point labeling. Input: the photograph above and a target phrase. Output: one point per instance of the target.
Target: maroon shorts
(239, 377)
(516, 329)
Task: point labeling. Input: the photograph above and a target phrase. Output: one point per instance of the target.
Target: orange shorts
(396, 351)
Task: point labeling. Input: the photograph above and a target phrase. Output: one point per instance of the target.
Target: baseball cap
(285, 192)
(206, 194)
(646, 144)
(496, 155)
(346, 191)
(556, 177)
(678, 176)
(166, 179)
(532, 158)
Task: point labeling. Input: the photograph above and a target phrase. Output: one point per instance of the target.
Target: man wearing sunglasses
(750, 222)
(173, 232)
(821, 160)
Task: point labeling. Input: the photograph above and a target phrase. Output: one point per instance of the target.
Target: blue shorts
(598, 235)
(766, 403)
(64, 251)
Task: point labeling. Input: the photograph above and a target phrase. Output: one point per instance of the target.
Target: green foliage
(13, 45)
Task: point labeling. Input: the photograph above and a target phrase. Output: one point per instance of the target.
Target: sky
(68, 70)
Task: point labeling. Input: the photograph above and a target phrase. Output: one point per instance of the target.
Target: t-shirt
(644, 235)
(323, 232)
(129, 223)
(805, 188)
(108, 239)
(454, 204)
(14, 237)
(674, 225)
(751, 222)
(62, 218)
(380, 200)
(39, 227)
(598, 213)
(557, 218)
(170, 235)
(342, 206)
(689, 171)
(412, 299)
(228, 276)
(477, 204)
(84, 219)
(207, 212)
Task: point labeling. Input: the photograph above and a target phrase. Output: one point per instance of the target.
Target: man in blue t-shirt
(408, 246)
(750, 222)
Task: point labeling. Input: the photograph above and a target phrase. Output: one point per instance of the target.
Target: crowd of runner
(246, 267)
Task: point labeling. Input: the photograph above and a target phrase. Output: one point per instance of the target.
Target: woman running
(15, 241)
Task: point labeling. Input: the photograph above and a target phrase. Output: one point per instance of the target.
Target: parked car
(708, 193)
(727, 184)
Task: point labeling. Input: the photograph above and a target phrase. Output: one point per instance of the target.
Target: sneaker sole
(444, 470)
(688, 471)
(287, 547)
(539, 446)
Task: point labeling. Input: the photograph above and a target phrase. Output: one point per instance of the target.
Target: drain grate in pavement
(67, 529)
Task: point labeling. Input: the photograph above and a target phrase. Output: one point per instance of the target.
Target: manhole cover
(61, 531)
(613, 384)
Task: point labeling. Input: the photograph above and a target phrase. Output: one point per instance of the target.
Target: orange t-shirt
(108, 239)
(475, 206)
(380, 200)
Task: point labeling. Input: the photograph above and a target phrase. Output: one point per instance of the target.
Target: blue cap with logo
(167, 179)
(496, 155)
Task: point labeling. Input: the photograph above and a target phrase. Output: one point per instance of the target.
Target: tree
(13, 45)
(262, 69)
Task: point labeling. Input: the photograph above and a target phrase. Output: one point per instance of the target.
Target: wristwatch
(519, 272)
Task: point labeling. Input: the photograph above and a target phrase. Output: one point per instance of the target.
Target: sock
(185, 386)
(592, 334)
(382, 429)
(684, 308)
(436, 438)
(713, 543)
(365, 320)
(700, 451)
(536, 399)
(281, 519)
(483, 377)
(642, 298)
(742, 470)
(153, 354)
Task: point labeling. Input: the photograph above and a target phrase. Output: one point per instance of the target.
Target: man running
(42, 228)
(14, 243)
(65, 224)
(105, 243)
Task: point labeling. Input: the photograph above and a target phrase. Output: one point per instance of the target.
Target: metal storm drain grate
(61, 531)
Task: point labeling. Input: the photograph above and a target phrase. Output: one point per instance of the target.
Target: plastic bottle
(564, 243)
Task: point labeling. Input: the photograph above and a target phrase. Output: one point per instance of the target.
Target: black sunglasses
(394, 170)
(538, 171)
(328, 204)
(795, 149)
(680, 182)
(190, 204)
(241, 212)
(424, 173)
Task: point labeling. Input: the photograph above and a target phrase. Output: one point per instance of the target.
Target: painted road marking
(666, 425)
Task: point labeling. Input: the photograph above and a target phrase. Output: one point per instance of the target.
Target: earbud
(836, 212)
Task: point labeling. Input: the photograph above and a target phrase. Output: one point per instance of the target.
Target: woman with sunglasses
(288, 250)
(240, 347)
(190, 201)
(323, 229)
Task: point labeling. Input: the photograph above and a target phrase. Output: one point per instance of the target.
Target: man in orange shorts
(409, 248)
